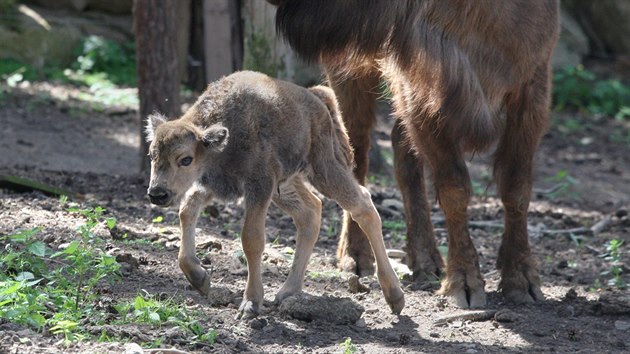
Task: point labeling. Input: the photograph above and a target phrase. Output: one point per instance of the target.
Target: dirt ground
(581, 202)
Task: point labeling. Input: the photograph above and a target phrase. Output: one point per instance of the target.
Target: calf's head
(179, 150)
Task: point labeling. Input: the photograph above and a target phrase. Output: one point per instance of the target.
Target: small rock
(170, 236)
(361, 323)
(622, 325)
(207, 259)
(210, 245)
(133, 348)
(323, 308)
(614, 303)
(566, 311)
(393, 204)
(174, 333)
(506, 316)
(404, 339)
(471, 351)
(220, 296)
(571, 294)
(258, 323)
(434, 335)
(238, 263)
(212, 211)
(129, 259)
(457, 324)
(392, 337)
(171, 244)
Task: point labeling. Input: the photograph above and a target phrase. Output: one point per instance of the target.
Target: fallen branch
(601, 225)
(23, 185)
(475, 316)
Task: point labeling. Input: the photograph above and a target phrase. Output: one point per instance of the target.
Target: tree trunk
(157, 65)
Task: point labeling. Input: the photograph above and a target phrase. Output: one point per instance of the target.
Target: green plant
(397, 228)
(7, 5)
(348, 347)
(564, 185)
(327, 274)
(100, 59)
(148, 309)
(88, 264)
(578, 88)
(613, 256)
(61, 297)
(259, 56)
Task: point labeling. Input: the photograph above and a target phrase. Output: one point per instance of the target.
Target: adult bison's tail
(343, 150)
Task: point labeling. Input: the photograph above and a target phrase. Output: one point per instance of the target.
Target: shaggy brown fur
(464, 76)
(257, 138)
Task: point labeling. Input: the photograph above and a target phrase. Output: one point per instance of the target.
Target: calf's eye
(185, 161)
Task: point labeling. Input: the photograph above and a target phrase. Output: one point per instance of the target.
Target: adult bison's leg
(527, 118)
(463, 282)
(357, 100)
(423, 257)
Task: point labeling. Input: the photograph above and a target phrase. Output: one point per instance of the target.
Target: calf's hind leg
(253, 241)
(337, 183)
(357, 100)
(306, 210)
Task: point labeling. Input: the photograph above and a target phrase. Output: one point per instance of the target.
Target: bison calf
(254, 137)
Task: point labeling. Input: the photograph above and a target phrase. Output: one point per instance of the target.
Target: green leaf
(37, 248)
(154, 317)
(11, 289)
(111, 222)
(24, 276)
(157, 219)
(37, 320)
(139, 303)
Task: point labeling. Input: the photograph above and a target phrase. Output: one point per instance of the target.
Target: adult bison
(465, 76)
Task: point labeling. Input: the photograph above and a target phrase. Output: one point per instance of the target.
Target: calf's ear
(153, 121)
(215, 137)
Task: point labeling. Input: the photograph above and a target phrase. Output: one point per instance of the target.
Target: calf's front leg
(189, 264)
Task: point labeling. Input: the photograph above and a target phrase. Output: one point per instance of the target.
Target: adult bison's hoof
(465, 290)
(521, 284)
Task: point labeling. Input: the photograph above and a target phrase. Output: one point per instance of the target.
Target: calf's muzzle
(159, 195)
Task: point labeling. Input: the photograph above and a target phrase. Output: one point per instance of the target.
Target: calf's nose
(159, 195)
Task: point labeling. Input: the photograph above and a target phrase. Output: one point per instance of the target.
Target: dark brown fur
(464, 76)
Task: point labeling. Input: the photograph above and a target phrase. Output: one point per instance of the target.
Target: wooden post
(222, 39)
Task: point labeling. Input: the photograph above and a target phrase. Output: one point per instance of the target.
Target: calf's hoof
(200, 280)
(396, 303)
(247, 310)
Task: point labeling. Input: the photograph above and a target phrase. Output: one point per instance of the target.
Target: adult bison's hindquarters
(261, 139)
(465, 75)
